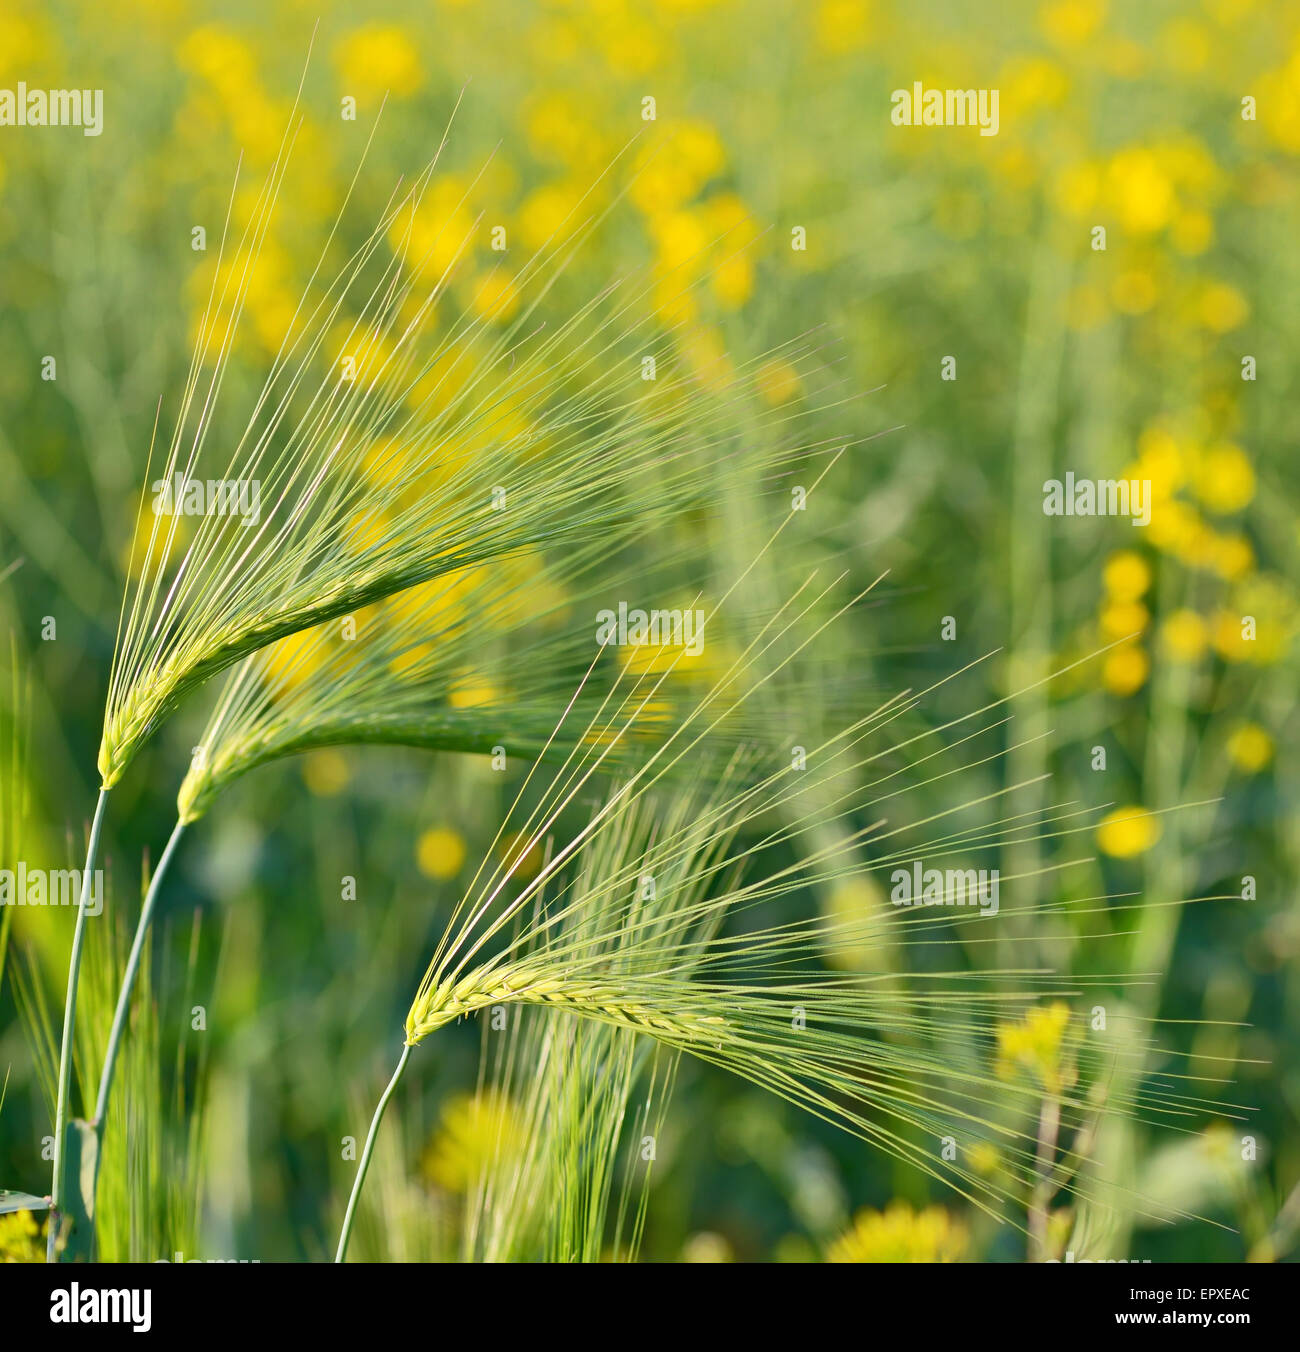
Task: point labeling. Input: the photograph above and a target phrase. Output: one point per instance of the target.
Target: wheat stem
(129, 975)
(364, 1164)
(69, 1024)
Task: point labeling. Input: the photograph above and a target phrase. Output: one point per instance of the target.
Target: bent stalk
(363, 1166)
(57, 1188)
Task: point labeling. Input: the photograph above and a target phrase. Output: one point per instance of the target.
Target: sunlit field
(624, 640)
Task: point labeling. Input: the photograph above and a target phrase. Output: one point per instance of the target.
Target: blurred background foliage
(922, 244)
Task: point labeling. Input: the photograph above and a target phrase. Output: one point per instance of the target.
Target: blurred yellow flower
(520, 853)
(1034, 1045)
(1222, 307)
(1125, 669)
(1224, 478)
(670, 173)
(1029, 83)
(1187, 44)
(1184, 635)
(1139, 191)
(1160, 459)
(1250, 748)
(437, 232)
(842, 25)
(1231, 556)
(495, 296)
(850, 906)
(221, 58)
(376, 60)
(325, 772)
(707, 1246)
(1260, 625)
(984, 1158)
(1124, 619)
(777, 382)
(901, 1234)
(732, 281)
(1126, 575)
(477, 1132)
(21, 1238)
(1069, 23)
(1127, 832)
(551, 212)
(440, 852)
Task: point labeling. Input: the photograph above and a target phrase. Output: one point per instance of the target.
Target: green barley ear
(389, 447)
(969, 1056)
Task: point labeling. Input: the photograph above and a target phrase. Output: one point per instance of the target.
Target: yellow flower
(984, 1158)
(325, 772)
(1128, 831)
(1184, 635)
(1029, 83)
(1187, 43)
(671, 174)
(1069, 23)
(521, 854)
(376, 60)
(901, 1234)
(477, 1132)
(777, 382)
(1125, 670)
(1140, 191)
(849, 906)
(708, 1247)
(440, 852)
(1126, 576)
(1231, 556)
(549, 213)
(21, 1238)
(1250, 748)
(1224, 479)
(732, 281)
(1192, 232)
(1034, 1045)
(1222, 307)
(1160, 459)
(221, 58)
(436, 234)
(468, 693)
(495, 295)
(842, 25)
(1124, 619)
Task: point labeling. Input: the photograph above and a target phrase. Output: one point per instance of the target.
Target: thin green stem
(129, 975)
(69, 1023)
(364, 1164)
